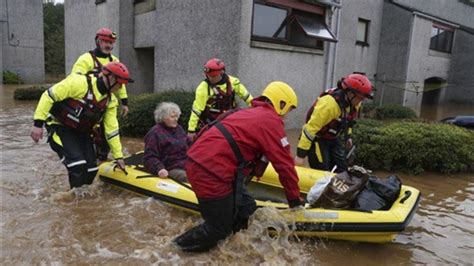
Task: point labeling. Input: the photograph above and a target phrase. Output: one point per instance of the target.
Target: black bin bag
(379, 194)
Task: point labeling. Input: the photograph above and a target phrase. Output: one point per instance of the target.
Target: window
(363, 32)
(144, 6)
(99, 2)
(441, 38)
(291, 23)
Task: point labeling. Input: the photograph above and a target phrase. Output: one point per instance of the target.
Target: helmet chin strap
(352, 97)
(110, 86)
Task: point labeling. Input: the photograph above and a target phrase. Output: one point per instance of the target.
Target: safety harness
(218, 103)
(80, 114)
(97, 65)
(335, 126)
(242, 164)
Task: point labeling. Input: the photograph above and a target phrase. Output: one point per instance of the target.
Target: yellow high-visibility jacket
(75, 86)
(85, 63)
(326, 110)
(203, 93)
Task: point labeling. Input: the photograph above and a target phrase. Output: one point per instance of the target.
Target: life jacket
(97, 65)
(81, 114)
(218, 103)
(336, 126)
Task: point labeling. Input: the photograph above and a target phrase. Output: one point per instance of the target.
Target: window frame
(441, 27)
(293, 9)
(365, 42)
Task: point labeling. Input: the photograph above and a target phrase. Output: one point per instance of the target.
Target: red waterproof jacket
(212, 165)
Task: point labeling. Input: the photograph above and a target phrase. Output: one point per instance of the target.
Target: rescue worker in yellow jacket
(215, 95)
(71, 108)
(92, 62)
(330, 118)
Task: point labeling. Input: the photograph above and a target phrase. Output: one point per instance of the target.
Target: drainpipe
(332, 53)
(339, 10)
(10, 36)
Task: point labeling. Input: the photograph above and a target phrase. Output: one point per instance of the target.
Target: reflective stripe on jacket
(204, 93)
(75, 87)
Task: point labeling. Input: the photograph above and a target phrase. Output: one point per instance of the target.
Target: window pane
(299, 37)
(361, 31)
(449, 41)
(269, 21)
(315, 28)
(441, 40)
(434, 37)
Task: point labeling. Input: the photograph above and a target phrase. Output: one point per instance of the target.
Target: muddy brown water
(43, 223)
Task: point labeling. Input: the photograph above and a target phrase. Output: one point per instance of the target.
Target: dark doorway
(145, 73)
(433, 91)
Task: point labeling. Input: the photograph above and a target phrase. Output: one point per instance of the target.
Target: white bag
(318, 187)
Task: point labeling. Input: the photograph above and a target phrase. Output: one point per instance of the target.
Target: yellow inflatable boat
(362, 226)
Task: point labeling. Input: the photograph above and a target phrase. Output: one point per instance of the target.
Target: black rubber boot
(218, 224)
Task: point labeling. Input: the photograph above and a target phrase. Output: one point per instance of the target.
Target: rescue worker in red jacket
(330, 118)
(215, 95)
(92, 62)
(71, 108)
(239, 141)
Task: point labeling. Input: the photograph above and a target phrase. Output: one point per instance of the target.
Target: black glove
(295, 203)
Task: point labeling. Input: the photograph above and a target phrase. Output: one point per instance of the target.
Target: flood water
(43, 223)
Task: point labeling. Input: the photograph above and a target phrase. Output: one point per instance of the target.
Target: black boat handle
(407, 195)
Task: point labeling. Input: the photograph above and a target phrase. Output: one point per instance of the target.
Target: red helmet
(105, 34)
(213, 67)
(358, 83)
(119, 70)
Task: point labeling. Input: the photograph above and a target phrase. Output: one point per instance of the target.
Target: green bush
(414, 147)
(394, 111)
(30, 93)
(11, 78)
(368, 110)
(140, 118)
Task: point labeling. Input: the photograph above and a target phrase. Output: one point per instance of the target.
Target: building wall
(138, 55)
(79, 32)
(24, 52)
(118, 16)
(456, 66)
(258, 66)
(423, 63)
(461, 78)
(451, 10)
(188, 34)
(352, 57)
(393, 54)
(3, 19)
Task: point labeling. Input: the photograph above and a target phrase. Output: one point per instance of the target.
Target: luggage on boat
(343, 189)
(378, 194)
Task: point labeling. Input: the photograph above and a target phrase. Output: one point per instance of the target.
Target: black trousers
(76, 152)
(221, 219)
(332, 152)
(101, 144)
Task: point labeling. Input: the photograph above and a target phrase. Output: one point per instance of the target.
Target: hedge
(414, 147)
(30, 93)
(11, 78)
(387, 111)
(140, 118)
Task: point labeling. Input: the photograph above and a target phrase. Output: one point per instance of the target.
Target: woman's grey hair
(165, 109)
